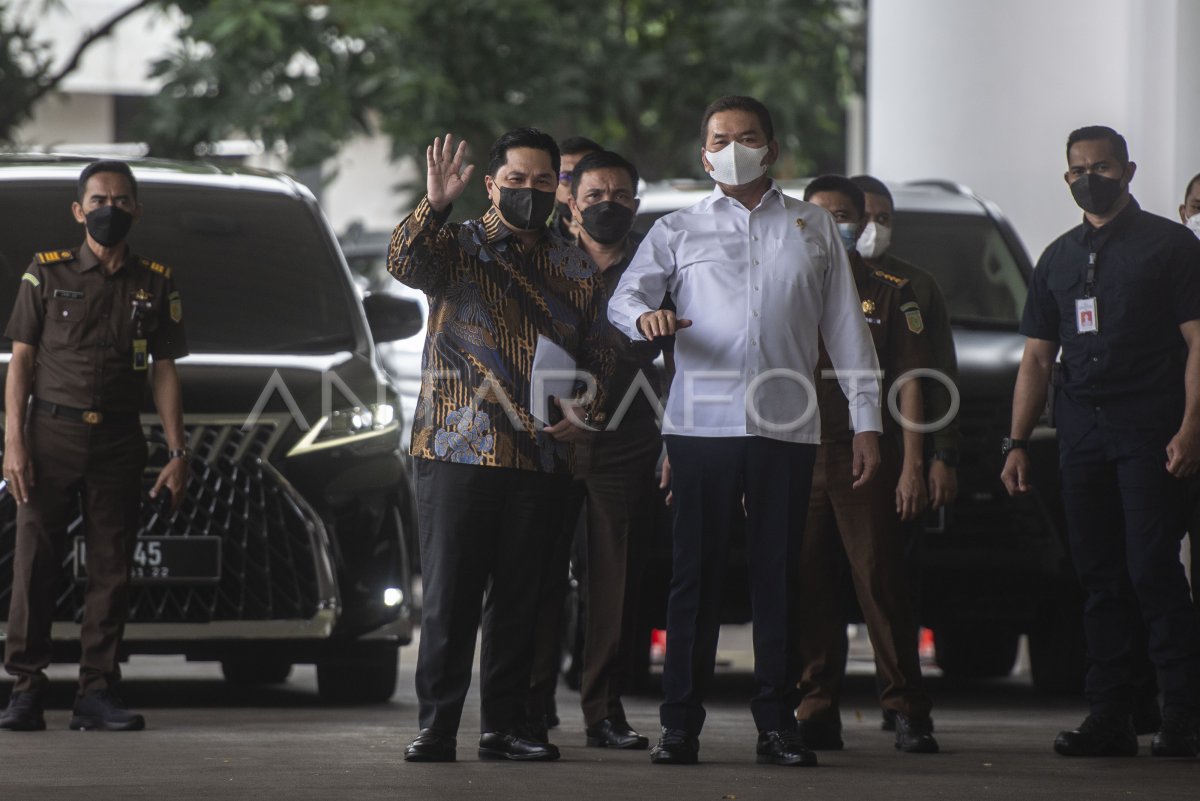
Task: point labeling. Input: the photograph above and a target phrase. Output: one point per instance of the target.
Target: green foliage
(24, 66)
(633, 74)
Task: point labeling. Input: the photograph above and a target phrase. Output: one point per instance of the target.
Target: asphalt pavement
(208, 740)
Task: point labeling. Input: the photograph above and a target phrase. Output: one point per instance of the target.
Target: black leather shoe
(515, 745)
(1099, 736)
(615, 733)
(784, 748)
(23, 713)
(915, 735)
(675, 747)
(100, 710)
(1178, 737)
(821, 735)
(430, 746)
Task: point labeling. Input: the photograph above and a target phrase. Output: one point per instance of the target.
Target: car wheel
(248, 671)
(976, 651)
(365, 674)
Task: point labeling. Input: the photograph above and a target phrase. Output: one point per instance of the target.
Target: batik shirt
(490, 297)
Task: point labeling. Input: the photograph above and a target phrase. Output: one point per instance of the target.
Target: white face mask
(1193, 222)
(735, 164)
(874, 241)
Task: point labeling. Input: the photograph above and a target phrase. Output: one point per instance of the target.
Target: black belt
(91, 417)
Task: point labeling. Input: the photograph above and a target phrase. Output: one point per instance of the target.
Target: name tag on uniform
(68, 294)
(1087, 320)
(139, 354)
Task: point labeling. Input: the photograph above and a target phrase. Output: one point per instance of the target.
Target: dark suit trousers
(486, 533)
(861, 526)
(710, 477)
(1125, 520)
(102, 468)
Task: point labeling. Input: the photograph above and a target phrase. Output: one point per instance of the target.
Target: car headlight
(347, 426)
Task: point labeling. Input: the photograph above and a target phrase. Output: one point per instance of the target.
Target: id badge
(139, 354)
(1087, 320)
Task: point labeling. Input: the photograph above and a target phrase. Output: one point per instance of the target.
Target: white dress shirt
(757, 285)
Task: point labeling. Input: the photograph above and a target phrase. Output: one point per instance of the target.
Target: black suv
(991, 567)
(293, 543)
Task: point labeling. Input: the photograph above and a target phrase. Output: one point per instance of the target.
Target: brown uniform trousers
(621, 494)
(101, 468)
(864, 523)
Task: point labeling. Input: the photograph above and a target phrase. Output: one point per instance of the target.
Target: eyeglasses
(564, 177)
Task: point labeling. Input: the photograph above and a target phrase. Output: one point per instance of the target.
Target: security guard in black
(1119, 295)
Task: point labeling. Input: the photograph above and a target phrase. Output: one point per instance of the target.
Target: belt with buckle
(91, 417)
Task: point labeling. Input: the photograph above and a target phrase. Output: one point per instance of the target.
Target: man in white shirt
(755, 276)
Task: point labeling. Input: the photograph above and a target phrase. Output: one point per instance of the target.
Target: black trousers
(486, 533)
(710, 479)
(73, 464)
(1125, 519)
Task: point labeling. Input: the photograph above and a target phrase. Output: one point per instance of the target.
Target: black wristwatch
(947, 457)
(179, 453)
(1009, 444)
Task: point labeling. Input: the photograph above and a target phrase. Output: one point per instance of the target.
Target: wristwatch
(1009, 444)
(947, 457)
(179, 453)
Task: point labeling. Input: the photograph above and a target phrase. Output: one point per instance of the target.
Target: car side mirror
(391, 318)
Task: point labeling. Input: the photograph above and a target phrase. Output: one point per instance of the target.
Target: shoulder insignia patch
(54, 256)
(912, 317)
(31, 278)
(154, 266)
(176, 306)
(889, 279)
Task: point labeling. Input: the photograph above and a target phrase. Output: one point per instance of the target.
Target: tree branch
(93, 36)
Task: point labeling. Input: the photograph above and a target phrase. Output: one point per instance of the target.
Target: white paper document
(553, 374)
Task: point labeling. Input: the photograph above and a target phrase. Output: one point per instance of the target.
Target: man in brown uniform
(86, 324)
(864, 523)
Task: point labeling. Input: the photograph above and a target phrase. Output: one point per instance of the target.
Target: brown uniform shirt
(80, 319)
(894, 319)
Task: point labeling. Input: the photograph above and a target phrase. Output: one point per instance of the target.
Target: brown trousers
(74, 463)
(863, 525)
(616, 476)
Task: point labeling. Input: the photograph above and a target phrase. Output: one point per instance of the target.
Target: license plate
(162, 560)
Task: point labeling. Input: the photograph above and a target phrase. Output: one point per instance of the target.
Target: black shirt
(1146, 284)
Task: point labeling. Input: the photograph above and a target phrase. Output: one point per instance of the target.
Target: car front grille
(269, 537)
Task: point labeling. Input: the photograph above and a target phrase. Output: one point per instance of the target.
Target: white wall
(985, 92)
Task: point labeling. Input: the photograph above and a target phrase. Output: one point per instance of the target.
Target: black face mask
(608, 222)
(1095, 193)
(525, 209)
(563, 211)
(109, 225)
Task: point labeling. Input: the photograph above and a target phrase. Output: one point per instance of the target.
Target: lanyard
(1089, 283)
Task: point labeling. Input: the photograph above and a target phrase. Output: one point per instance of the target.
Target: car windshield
(973, 264)
(255, 270)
